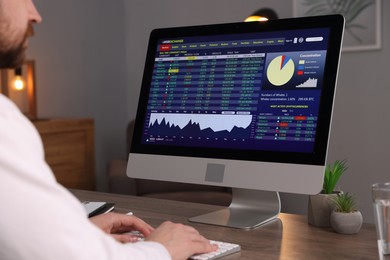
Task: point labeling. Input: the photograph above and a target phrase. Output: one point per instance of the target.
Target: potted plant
(345, 219)
(320, 205)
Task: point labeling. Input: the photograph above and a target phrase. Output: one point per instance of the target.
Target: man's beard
(14, 57)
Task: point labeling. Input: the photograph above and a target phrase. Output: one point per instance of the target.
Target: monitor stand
(249, 209)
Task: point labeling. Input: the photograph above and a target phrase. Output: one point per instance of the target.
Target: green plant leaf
(344, 202)
(333, 174)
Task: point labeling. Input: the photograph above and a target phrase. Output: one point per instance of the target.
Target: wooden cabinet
(69, 150)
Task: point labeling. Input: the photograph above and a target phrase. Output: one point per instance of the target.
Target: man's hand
(118, 224)
(180, 240)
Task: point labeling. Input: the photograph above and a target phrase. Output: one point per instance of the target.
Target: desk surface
(290, 237)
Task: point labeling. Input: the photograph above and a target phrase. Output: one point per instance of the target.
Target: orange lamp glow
(255, 18)
(18, 80)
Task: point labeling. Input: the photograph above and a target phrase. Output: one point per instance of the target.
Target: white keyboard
(224, 249)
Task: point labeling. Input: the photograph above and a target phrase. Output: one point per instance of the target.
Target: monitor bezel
(318, 157)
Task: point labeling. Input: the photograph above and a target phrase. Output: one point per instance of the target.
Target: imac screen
(262, 91)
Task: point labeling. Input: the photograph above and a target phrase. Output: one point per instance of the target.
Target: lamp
(261, 15)
(18, 79)
(19, 86)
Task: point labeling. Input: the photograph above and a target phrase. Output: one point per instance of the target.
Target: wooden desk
(290, 237)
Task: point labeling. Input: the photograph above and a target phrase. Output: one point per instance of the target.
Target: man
(39, 218)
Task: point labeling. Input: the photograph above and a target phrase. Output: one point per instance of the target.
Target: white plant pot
(346, 223)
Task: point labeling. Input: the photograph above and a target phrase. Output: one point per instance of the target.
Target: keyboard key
(224, 249)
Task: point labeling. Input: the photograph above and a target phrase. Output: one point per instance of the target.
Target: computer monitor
(242, 105)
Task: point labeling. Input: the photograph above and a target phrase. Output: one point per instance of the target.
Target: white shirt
(40, 219)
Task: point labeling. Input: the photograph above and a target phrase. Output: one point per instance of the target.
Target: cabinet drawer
(69, 150)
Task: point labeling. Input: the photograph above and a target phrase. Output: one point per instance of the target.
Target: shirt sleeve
(40, 219)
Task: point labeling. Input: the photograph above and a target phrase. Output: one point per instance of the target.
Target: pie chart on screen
(280, 70)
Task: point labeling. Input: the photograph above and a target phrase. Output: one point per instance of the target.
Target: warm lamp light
(255, 18)
(262, 15)
(18, 80)
(18, 83)
(19, 86)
